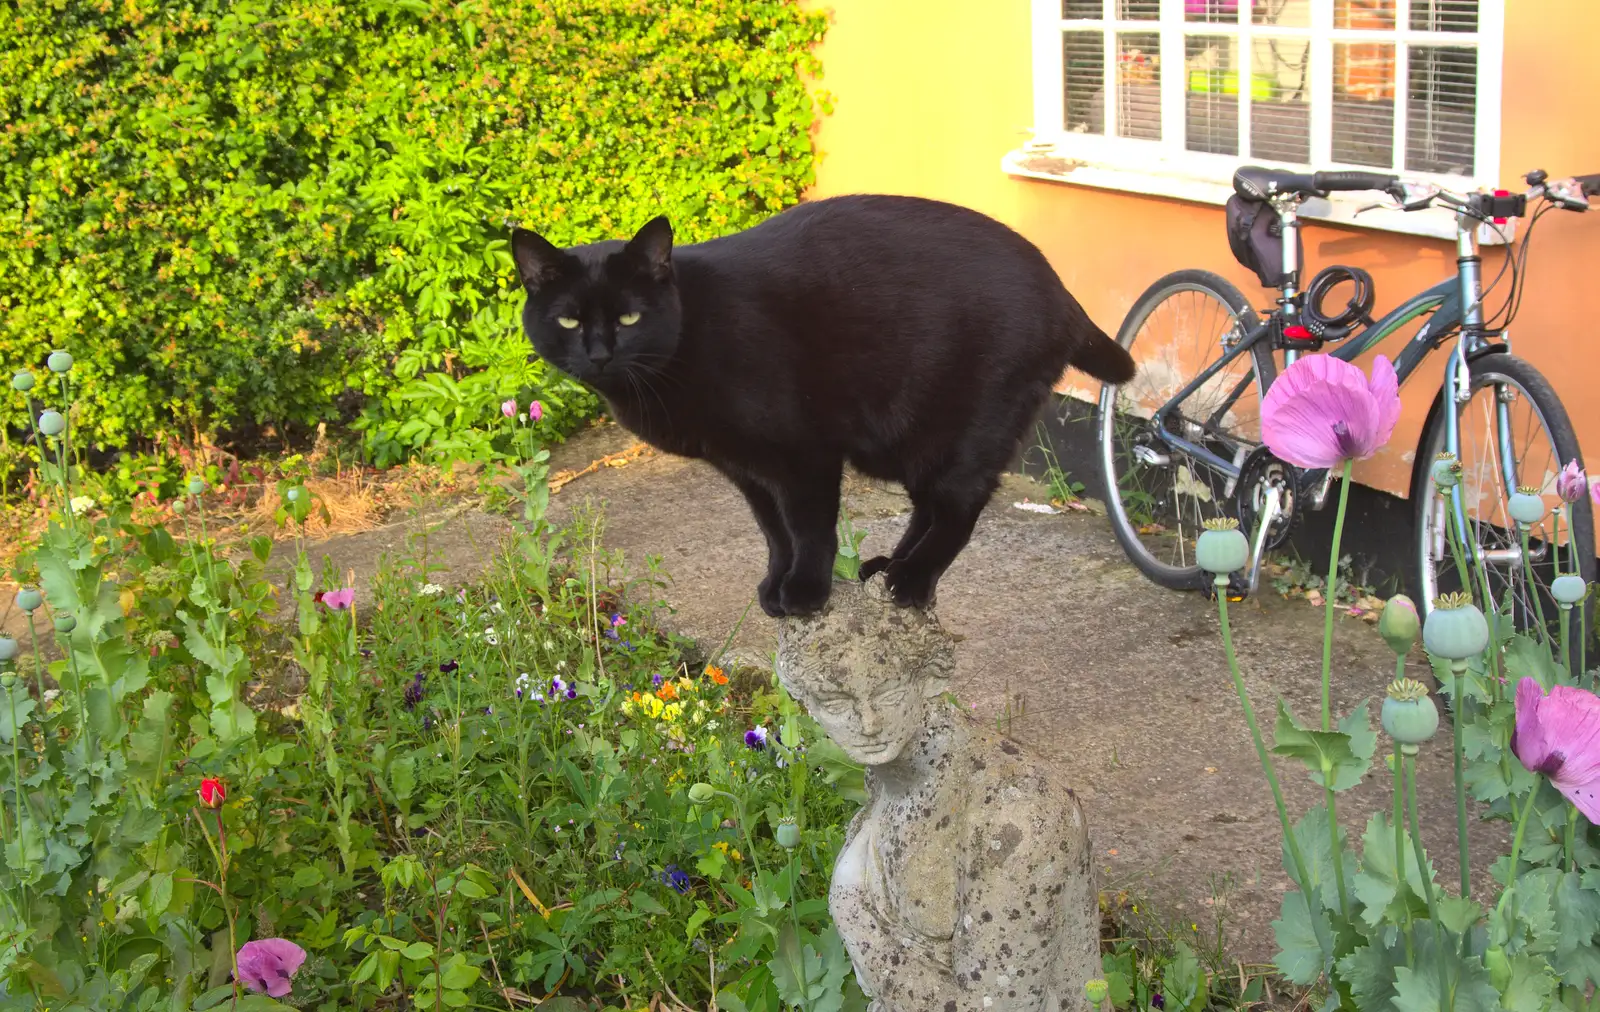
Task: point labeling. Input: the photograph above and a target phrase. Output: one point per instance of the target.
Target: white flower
(549, 644)
(431, 590)
(80, 505)
(497, 608)
(489, 636)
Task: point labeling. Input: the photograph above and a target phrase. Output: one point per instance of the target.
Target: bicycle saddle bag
(1256, 237)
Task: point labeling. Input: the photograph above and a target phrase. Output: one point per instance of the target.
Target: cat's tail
(1098, 355)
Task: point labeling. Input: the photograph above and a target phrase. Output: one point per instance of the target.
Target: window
(1198, 87)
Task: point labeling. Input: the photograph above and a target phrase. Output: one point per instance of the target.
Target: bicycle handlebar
(1330, 181)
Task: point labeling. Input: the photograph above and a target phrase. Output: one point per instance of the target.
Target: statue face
(873, 725)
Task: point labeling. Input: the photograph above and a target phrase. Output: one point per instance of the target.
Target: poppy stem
(1458, 678)
(1289, 840)
(1400, 842)
(1446, 999)
(1516, 849)
(1333, 593)
(1329, 797)
(1533, 588)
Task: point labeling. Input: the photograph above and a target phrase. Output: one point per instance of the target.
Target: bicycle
(1181, 443)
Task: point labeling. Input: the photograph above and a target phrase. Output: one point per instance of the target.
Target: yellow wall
(929, 94)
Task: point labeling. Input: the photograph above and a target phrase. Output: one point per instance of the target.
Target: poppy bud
(787, 834)
(212, 793)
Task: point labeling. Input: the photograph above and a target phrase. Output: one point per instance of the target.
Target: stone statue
(965, 882)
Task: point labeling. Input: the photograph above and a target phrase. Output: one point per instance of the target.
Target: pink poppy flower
(1571, 483)
(1559, 736)
(509, 408)
(267, 964)
(339, 600)
(535, 411)
(1324, 411)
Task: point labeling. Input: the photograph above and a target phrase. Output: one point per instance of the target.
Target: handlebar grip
(1590, 184)
(1353, 180)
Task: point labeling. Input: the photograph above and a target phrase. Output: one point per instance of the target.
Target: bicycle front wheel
(1512, 432)
(1158, 497)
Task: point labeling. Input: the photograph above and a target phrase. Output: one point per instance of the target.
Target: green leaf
(1417, 987)
(1300, 956)
(417, 950)
(1526, 657)
(1531, 987)
(15, 706)
(1377, 884)
(1326, 754)
(702, 913)
(646, 904)
(1369, 972)
(403, 777)
(458, 975)
(1183, 982)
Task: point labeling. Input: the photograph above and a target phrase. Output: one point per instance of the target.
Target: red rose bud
(212, 793)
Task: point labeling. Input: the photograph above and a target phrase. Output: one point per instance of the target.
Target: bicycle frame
(1455, 305)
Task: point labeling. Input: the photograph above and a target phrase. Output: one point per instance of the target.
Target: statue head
(866, 669)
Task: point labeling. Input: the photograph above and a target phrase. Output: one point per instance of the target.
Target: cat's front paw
(909, 586)
(770, 595)
(805, 593)
(873, 566)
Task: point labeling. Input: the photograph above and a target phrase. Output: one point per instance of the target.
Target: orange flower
(716, 675)
(667, 691)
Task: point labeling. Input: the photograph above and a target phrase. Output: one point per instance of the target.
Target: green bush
(239, 214)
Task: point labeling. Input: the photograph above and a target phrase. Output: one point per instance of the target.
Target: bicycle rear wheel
(1157, 498)
(1513, 431)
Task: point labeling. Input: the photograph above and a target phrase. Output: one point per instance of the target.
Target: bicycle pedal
(1237, 590)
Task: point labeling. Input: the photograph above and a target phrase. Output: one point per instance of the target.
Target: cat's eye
(628, 319)
(567, 322)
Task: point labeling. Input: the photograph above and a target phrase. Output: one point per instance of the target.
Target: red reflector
(1296, 332)
(1501, 193)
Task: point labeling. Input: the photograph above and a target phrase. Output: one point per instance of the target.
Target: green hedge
(242, 213)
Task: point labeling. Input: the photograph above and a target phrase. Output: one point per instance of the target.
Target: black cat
(914, 339)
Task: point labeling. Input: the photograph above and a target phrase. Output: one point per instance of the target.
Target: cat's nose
(599, 356)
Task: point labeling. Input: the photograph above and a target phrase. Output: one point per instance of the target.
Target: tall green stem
(1400, 837)
(1516, 850)
(1458, 677)
(1267, 768)
(1333, 593)
(1446, 999)
(1329, 797)
(1533, 588)
(1566, 640)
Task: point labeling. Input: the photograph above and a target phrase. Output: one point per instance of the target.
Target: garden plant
(1371, 926)
(410, 796)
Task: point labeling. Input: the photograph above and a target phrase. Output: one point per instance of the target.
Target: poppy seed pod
(29, 599)
(8, 649)
(1446, 472)
(51, 423)
(787, 834)
(197, 486)
(1222, 548)
(1408, 715)
(1526, 506)
(22, 380)
(1568, 589)
(59, 362)
(1455, 629)
(65, 623)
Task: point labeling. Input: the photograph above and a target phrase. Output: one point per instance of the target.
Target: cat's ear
(538, 260)
(652, 247)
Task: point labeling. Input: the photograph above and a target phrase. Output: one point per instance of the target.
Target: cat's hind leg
(952, 503)
(920, 519)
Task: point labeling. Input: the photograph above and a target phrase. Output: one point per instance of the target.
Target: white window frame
(1166, 168)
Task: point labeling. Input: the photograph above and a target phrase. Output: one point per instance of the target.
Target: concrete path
(1121, 682)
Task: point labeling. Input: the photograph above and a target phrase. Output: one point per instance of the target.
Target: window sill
(1175, 184)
